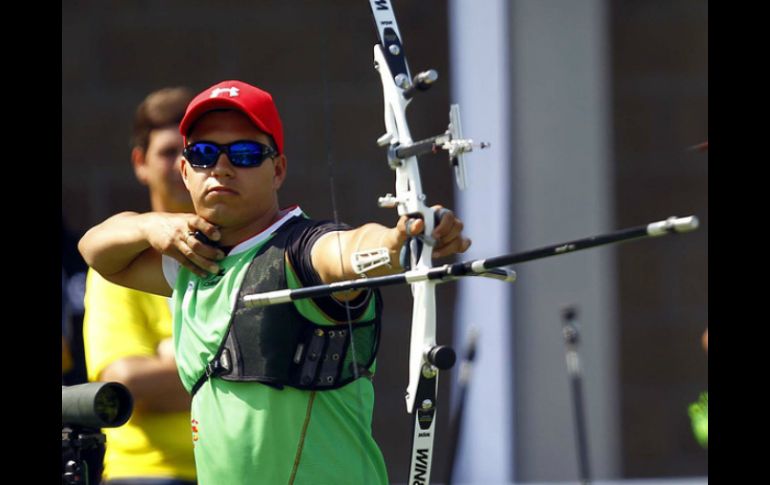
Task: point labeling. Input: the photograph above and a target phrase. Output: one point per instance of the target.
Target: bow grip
(412, 218)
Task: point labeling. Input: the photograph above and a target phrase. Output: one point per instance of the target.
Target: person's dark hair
(162, 108)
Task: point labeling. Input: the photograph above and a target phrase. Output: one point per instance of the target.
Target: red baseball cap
(255, 103)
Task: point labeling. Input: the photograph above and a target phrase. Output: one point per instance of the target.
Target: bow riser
(410, 201)
(423, 337)
(409, 197)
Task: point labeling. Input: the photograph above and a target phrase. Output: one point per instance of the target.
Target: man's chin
(219, 215)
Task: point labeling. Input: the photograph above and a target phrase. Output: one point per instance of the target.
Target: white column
(479, 60)
(531, 77)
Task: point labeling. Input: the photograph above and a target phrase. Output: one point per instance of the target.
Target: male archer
(281, 394)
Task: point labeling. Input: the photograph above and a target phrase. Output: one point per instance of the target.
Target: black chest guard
(277, 346)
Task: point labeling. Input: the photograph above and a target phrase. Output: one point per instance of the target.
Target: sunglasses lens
(202, 154)
(246, 154)
(241, 153)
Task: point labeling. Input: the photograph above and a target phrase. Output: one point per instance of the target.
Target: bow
(425, 357)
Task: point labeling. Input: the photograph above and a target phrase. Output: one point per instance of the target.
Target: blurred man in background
(127, 333)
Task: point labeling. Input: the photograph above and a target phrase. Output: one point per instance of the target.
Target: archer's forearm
(111, 246)
(332, 256)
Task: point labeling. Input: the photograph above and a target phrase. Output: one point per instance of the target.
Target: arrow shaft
(450, 272)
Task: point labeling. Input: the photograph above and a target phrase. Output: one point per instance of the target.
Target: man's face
(158, 169)
(226, 195)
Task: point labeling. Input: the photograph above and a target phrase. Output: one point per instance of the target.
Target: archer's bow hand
(447, 232)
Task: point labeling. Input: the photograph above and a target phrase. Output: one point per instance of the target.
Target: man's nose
(223, 165)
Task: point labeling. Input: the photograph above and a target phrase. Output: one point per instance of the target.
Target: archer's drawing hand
(174, 236)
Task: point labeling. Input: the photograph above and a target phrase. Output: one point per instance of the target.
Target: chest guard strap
(275, 345)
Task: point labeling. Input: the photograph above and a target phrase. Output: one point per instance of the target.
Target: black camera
(85, 408)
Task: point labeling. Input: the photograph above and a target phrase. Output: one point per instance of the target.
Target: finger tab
(204, 239)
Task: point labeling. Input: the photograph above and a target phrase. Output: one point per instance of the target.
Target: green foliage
(699, 416)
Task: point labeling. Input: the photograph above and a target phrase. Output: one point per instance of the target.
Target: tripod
(77, 441)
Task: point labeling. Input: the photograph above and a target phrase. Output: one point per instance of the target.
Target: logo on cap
(233, 92)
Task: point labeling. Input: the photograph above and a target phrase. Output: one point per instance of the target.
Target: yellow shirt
(121, 322)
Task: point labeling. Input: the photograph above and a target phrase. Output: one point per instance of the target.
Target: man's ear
(139, 163)
(183, 167)
(279, 174)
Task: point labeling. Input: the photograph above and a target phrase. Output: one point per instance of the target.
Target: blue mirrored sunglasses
(242, 153)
